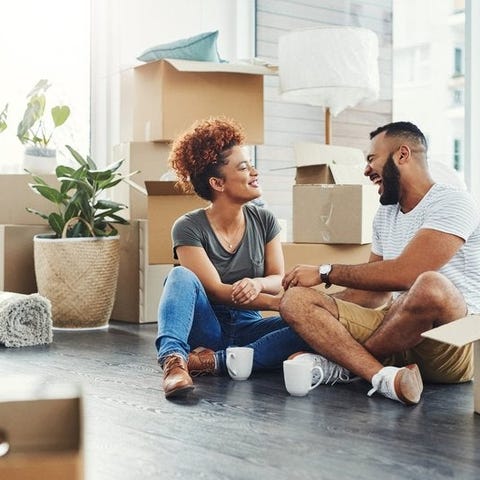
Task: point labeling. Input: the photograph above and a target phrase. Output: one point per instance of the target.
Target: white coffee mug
(239, 362)
(298, 377)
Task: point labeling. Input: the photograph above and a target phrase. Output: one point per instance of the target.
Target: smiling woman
(49, 39)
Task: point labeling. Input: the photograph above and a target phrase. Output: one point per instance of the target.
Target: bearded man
(423, 272)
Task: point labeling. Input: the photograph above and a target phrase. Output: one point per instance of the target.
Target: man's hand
(302, 276)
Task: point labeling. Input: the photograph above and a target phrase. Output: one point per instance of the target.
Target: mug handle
(231, 370)
(317, 368)
(4, 445)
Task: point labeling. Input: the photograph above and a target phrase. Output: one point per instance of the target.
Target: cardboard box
(42, 425)
(333, 202)
(17, 271)
(166, 203)
(139, 285)
(318, 253)
(333, 213)
(16, 196)
(161, 99)
(151, 158)
(458, 333)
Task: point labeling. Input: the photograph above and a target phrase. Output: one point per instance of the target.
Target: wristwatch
(324, 271)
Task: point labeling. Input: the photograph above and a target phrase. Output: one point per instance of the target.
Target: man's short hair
(402, 129)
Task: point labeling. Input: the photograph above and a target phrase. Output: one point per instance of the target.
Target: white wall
(122, 29)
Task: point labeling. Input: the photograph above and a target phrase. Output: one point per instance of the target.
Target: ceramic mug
(298, 377)
(239, 362)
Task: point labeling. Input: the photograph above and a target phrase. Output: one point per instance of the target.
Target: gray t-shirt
(193, 229)
(448, 210)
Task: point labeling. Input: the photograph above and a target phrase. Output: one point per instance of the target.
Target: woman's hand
(246, 290)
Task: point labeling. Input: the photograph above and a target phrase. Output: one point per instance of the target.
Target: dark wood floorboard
(247, 430)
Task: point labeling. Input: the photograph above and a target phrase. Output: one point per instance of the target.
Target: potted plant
(36, 129)
(76, 266)
(3, 118)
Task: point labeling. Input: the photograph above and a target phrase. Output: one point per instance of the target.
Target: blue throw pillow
(202, 47)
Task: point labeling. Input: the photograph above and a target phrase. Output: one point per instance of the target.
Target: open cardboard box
(161, 99)
(41, 430)
(333, 202)
(461, 332)
(150, 159)
(166, 202)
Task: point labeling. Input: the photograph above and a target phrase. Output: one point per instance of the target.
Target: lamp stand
(328, 126)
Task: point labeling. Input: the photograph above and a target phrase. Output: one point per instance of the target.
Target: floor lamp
(333, 67)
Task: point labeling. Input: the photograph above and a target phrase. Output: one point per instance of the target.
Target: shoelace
(333, 371)
(380, 383)
(173, 361)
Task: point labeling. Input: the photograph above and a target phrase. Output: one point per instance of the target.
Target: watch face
(325, 269)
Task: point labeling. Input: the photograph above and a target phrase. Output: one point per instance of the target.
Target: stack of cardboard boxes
(159, 100)
(17, 229)
(333, 207)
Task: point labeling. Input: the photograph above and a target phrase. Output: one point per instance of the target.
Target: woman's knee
(181, 279)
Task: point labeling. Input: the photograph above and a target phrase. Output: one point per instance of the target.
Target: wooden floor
(247, 430)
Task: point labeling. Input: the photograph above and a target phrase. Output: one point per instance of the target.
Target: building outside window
(457, 155)
(434, 102)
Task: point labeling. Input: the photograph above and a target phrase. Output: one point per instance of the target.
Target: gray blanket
(25, 320)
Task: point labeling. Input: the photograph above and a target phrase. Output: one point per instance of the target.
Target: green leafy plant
(3, 118)
(35, 128)
(80, 210)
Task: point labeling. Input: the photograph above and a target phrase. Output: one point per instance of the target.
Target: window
(457, 155)
(435, 103)
(412, 64)
(45, 40)
(458, 61)
(457, 97)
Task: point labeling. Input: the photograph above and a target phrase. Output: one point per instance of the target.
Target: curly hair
(200, 152)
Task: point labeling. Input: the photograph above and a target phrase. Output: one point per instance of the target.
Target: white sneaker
(402, 384)
(331, 372)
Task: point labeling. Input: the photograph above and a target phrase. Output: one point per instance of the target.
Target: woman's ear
(216, 183)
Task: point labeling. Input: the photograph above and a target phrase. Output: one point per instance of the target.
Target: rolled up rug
(25, 320)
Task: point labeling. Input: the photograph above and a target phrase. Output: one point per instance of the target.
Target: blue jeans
(187, 319)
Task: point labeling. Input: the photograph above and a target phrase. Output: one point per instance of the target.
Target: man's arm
(429, 250)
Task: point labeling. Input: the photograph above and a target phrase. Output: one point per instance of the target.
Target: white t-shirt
(448, 210)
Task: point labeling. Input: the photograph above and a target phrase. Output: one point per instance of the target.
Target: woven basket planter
(79, 277)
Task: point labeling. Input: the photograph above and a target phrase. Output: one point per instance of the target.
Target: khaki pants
(438, 362)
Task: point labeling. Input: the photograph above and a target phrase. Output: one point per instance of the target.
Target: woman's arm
(252, 293)
(247, 289)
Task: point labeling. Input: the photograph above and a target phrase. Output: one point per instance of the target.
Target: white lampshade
(335, 67)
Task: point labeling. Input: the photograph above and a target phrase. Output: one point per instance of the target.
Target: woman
(231, 264)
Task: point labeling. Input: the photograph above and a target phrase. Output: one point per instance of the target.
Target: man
(423, 272)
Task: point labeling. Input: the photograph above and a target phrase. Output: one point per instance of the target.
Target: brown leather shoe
(402, 384)
(201, 361)
(176, 380)
(408, 384)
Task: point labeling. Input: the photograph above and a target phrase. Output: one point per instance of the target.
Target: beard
(391, 183)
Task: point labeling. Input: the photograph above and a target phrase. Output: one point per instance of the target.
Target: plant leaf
(49, 193)
(60, 114)
(77, 156)
(57, 223)
(41, 86)
(36, 212)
